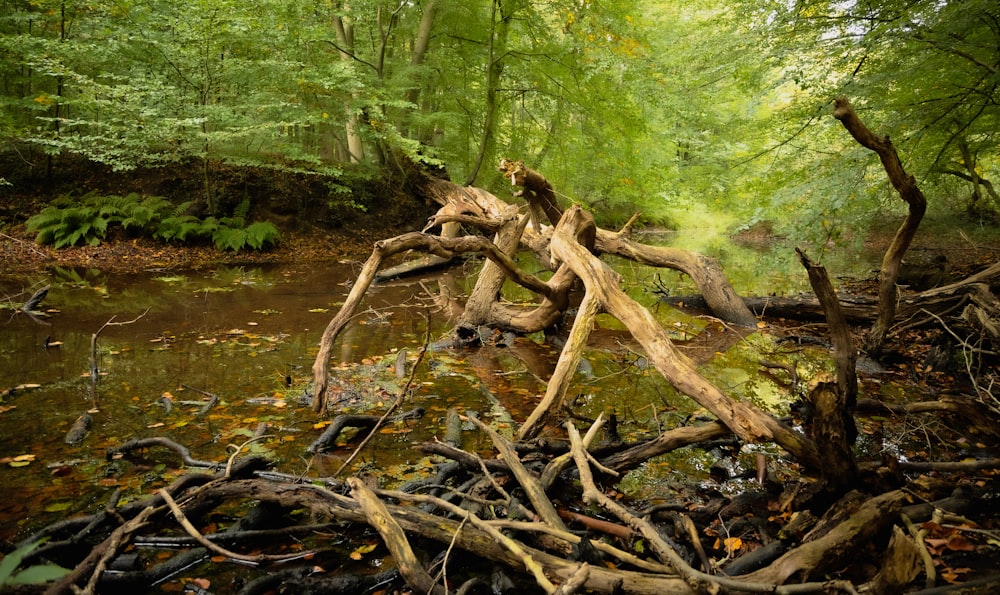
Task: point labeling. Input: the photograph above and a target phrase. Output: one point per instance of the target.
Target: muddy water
(208, 358)
(166, 342)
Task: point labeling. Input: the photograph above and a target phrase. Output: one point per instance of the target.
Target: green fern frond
(261, 234)
(228, 238)
(242, 210)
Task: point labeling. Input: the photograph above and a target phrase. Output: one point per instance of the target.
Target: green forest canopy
(625, 106)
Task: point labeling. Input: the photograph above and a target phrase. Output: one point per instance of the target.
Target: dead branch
(906, 185)
(180, 449)
(746, 421)
(395, 539)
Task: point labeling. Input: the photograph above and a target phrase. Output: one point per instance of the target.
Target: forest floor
(19, 254)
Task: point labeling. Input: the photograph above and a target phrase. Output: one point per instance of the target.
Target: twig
(692, 532)
(212, 547)
(918, 537)
(443, 575)
(395, 405)
(94, 370)
(237, 449)
(512, 546)
(556, 465)
(536, 494)
(26, 243)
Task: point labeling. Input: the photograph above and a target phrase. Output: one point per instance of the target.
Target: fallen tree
(528, 513)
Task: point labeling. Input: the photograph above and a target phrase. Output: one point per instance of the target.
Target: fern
(242, 210)
(261, 234)
(229, 238)
(181, 228)
(69, 226)
(255, 236)
(70, 221)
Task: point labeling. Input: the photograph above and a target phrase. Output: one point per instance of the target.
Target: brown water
(248, 336)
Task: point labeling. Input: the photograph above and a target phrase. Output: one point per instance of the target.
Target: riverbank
(19, 254)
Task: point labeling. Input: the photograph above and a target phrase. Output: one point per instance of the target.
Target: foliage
(625, 106)
(69, 221)
(33, 575)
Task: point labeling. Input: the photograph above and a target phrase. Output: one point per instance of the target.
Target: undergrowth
(87, 219)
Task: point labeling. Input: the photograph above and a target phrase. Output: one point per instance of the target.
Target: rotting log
(706, 272)
(860, 309)
(827, 553)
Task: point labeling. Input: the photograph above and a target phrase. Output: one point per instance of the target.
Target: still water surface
(168, 339)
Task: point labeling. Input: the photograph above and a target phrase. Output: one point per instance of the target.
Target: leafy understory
(72, 221)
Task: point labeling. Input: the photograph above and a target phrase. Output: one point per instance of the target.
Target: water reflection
(249, 336)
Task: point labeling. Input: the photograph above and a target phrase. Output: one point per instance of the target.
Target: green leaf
(12, 560)
(36, 575)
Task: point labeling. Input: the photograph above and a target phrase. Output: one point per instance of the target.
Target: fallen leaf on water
(359, 553)
(953, 575)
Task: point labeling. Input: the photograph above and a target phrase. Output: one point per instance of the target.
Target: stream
(209, 357)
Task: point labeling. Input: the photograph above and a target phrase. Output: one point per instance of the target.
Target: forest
(541, 139)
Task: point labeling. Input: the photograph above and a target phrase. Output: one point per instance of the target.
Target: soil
(19, 254)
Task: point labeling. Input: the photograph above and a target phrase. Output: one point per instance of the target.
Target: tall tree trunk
(906, 185)
(421, 43)
(345, 37)
(494, 71)
(423, 39)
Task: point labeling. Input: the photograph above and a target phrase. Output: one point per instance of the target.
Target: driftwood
(329, 436)
(35, 300)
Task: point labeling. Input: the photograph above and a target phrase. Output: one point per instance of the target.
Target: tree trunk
(345, 37)
(497, 51)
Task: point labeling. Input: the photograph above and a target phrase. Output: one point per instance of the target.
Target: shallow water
(167, 340)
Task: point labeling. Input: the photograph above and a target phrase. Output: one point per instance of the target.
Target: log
(601, 283)
(817, 557)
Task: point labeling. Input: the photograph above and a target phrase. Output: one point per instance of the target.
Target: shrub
(70, 221)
